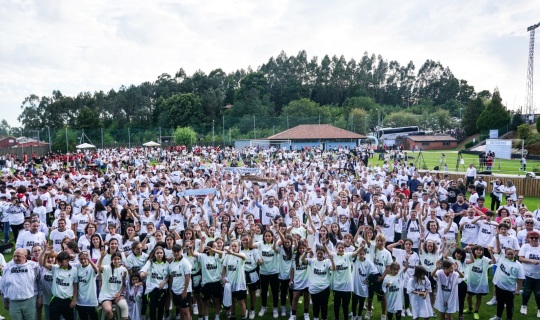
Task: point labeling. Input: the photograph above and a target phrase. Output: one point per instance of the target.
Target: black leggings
(273, 281)
(504, 297)
(283, 290)
(87, 313)
(320, 303)
(156, 299)
(462, 294)
(60, 307)
(406, 300)
(341, 299)
(390, 316)
(358, 300)
(15, 228)
(530, 286)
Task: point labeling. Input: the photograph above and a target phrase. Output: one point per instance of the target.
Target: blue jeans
(6, 231)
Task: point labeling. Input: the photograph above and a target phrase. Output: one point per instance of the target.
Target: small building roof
(315, 131)
(431, 138)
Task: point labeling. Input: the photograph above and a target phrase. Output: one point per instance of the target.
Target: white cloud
(75, 46)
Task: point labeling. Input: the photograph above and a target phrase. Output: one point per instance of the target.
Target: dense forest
(284, 91)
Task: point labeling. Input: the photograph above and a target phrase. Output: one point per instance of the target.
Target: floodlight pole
(529, 106)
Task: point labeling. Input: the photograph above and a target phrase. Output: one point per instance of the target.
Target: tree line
(352, 94)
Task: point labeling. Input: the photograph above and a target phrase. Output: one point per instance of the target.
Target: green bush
(469, 144)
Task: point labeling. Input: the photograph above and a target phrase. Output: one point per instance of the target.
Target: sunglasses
(529, 222)
(533, 238)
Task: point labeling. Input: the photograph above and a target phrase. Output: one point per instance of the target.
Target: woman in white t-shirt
(299, 281)
(319, 279)
(447, 278)
(113, 279)
(87, 299)
(508, 280)
(233, 273)
(342, 279)
(284, 248)
(269, 271)
(156, 273)
(529, 256)
(408, 260)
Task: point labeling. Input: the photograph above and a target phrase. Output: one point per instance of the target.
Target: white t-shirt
(392, 286)
(507, 274)
(87, 293)
(485, 232)
(342, 279)
(301, 275)
(111, 282)
(211, 267)
(361, 271)
(414, 260)
(319, 274)
(529, 252)
(469, 233)
(157, 273)
(269, 257)
(178, 271)
(63, 281)
(477, 275)
(234, 272)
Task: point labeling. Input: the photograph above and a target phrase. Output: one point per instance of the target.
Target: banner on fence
(258, 179)
(242, 171)
(197, 192)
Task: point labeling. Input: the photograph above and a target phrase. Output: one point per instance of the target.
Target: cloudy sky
(75, 46)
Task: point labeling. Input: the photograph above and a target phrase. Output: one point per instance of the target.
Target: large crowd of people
(169, 233)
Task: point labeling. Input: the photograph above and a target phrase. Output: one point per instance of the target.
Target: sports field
(436, 158)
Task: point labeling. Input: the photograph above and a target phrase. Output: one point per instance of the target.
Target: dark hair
(460, 251)
(63, 256)
(447, 264)
(297, 254)
(114, 255)
(419, 272)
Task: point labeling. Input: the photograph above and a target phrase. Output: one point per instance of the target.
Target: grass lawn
(486, 311)
(434, 158)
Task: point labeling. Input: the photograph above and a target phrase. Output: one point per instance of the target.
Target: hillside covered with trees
(283, 92)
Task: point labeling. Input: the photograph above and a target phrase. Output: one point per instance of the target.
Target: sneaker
(306, 316)
(523, 310)
(476, 316)
(492, 302)
(403, 314)
(195, 309)
(177, 317)
(275, 313)
(283, 311)
(495, 318)
(467, 311)
(408, 312)
(251, 314)
(383, 317)
(293, 317)
(538, 314)
(258, 293)
(368, 315)
(262, 312)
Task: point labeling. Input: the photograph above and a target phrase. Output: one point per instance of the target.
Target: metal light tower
(529, 106)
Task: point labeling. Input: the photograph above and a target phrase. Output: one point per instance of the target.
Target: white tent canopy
(151, 144)
(85, 146)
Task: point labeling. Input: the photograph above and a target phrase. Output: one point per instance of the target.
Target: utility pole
(213, 132)
(529, 106)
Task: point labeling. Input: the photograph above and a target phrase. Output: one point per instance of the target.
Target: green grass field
(434, 158)
(486, 311)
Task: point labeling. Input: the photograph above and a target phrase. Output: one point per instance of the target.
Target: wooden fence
(39, 151)
(524, 186)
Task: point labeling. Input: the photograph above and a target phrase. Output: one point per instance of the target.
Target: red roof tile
(430, 138)
(315, 131)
